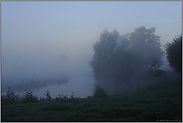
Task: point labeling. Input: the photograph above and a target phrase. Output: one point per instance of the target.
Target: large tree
(146, 45)
(120, 59)
(174, 54)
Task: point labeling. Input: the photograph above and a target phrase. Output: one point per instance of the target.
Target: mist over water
(50, 49)
(60, 76)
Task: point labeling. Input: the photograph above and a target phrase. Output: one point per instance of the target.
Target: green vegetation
(120, 60)
(174, 54)
(148, 103)
(113, 62)
(99, 92)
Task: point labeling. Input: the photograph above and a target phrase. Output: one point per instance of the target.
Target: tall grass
(151, 106)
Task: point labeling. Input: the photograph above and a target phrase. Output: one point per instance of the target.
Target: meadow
(150, 103)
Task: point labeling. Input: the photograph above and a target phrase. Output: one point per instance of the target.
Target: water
(40, 76)
(81, 86)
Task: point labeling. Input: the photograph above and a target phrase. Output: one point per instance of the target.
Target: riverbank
(154, 105)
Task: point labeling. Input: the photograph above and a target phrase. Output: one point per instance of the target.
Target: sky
(35, 34)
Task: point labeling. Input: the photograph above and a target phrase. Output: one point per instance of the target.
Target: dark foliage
(99, 92)
(48, 96)
(9, 98)
(174, 54)
(150, 105)
(119, 61)
(29, 97)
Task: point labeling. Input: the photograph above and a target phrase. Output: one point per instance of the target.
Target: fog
(35, 75)
(50, 49)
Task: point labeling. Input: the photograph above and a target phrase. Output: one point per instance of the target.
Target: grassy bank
(162, 104)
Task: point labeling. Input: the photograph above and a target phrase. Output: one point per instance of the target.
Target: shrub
(65, 97)
(99, 92)
(9, 98)
(29, 97)
(18, 99)
(88, 96)
(41, 99)
(47, 94)
(59, 97)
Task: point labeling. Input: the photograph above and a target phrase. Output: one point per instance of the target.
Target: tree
(174, 54)
(146, 45)
(118, 59)
(103, 53)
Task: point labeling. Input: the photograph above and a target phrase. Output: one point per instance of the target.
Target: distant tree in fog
(117, 58)
(146, 45)
(174, 54)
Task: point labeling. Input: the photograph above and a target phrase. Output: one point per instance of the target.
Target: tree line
(120, 62)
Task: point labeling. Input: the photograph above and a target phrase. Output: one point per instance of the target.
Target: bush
(65, 97)
(88, 96)
(29, 97)
(48, 96)
(99, 92)
(9, 98)
(18, 99)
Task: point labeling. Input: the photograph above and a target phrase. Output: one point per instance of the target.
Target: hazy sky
(47, 29)
(36, 35)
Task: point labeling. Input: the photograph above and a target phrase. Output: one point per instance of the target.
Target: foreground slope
(162, 104)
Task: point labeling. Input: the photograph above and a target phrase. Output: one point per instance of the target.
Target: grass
(162, 104)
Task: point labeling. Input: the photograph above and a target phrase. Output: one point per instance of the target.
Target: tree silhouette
(174, 54)
(118, 59)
